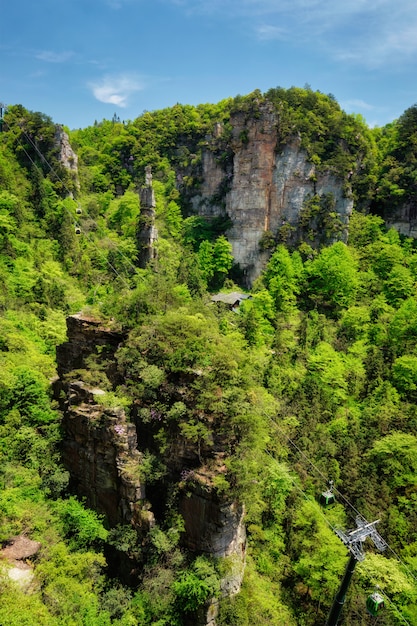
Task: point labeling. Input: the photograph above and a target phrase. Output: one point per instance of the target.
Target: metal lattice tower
(354, 540)
(2, 111)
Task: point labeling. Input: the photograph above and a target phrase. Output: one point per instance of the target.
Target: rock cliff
(264, 188)
(66, 155)
(403, 219)
(147, 233)
(99, 446)
(103, 452)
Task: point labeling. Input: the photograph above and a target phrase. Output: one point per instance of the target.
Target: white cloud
(116, 89)
(267, 32)
(371, 34)
(54, 57)
(353, 105)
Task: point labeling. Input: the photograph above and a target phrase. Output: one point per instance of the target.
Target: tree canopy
(312, 378)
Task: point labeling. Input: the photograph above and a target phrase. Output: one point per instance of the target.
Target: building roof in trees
(234, 298)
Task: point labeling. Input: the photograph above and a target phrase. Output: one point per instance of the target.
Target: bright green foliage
(322, 557)
(402, 330)
(364, 229)
(314, 377)
(82, 527)
(399, 284)
(123, 213)
(215, 260)
(332, 278)
(328, 370)
(355, 323)
(395, 457)
(70, 583)
(205, 260)
(389, 576)
(404, 375)
(196, 586)
(257, 602)
(397, 181)
(282, 278)
(257, 318)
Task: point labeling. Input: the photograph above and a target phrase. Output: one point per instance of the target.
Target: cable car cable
(383, 593)
(91, 240)
(306, 497)
(319, 472)
(68, 191)
(132, 266)
(319, 511)
(292, 443)
(347, 502)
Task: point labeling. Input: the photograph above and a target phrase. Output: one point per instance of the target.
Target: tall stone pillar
(147, 233)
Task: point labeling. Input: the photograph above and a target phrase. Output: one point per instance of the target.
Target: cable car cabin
(78, 210)
(374, 603)
(327, 498)
(77, 230)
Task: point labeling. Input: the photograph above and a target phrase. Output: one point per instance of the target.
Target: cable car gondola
(374, 603)
(327, 497)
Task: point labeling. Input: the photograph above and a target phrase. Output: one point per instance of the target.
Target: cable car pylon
(353, 539)
(2, 111)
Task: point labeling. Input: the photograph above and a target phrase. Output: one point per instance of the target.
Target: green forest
(312, 380)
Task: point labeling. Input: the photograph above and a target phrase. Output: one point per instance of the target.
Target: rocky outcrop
(88, 337)
(19, 553)
(99, 445)
(216, 527)
(146, 230)
(263, 187)
(66, 155)
(103, 451)
(100, 451)
(403, 219)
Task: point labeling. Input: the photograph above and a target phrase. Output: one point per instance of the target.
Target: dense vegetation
(315, 378)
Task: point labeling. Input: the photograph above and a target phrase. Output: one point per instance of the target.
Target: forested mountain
(252, 408)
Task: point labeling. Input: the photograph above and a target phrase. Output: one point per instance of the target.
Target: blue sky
(84, 60)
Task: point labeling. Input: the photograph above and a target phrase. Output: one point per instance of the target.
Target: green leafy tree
(82, 527)
(282, 276)
(196, 586)
(215, 260)
(395, 458)
(332, 278)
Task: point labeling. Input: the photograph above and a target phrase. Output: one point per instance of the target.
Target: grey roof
(230, 298)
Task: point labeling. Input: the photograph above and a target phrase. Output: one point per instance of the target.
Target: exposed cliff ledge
(103, 451)
(88, 336)
(67, 157)
(100, 451)
(99, 446)
(263, 187)
(403, 219)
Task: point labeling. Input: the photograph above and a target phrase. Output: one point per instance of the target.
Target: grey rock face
(264, 188)
(102, 452)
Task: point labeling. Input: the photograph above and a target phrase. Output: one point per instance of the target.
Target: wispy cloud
(116, 89)
(118, 4)
(267, 32)
(49, 56)
(356, 31)
(353, 105)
